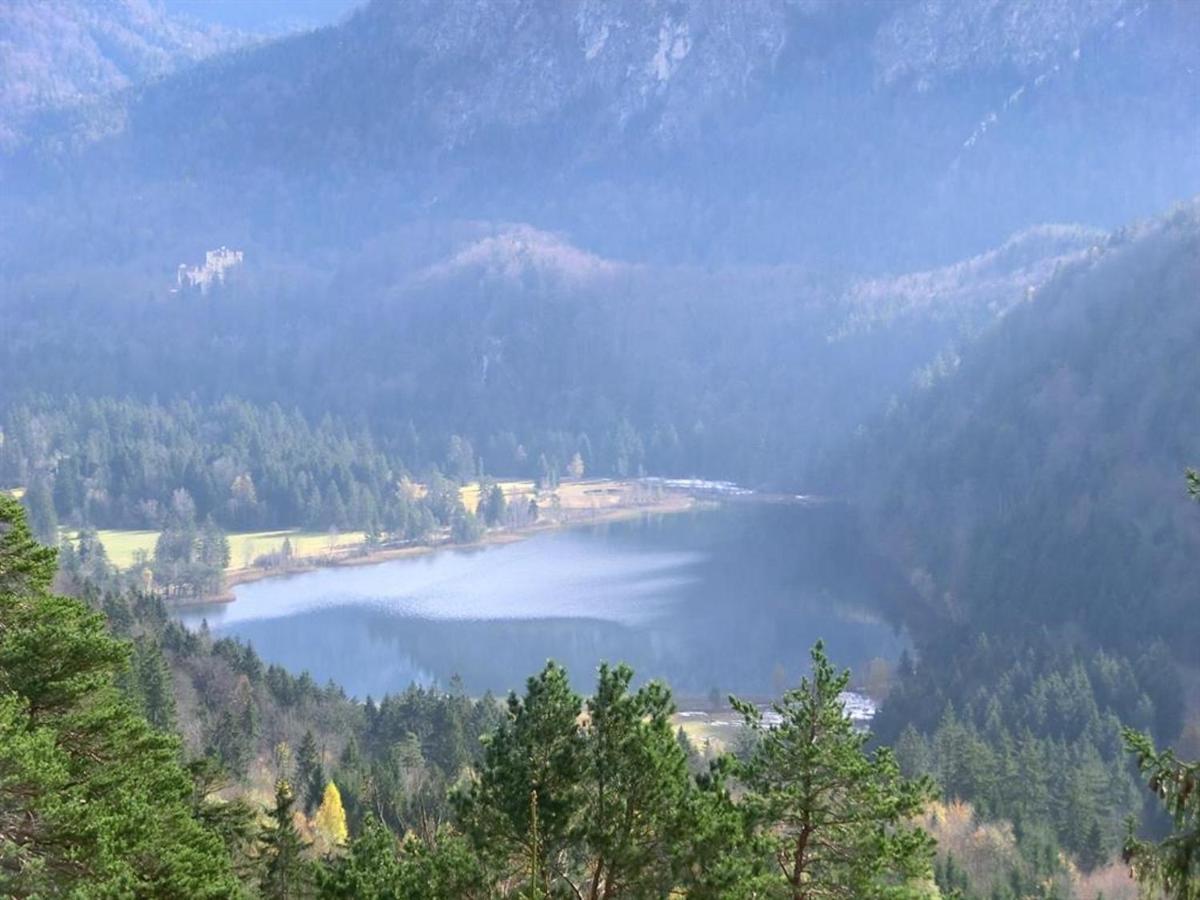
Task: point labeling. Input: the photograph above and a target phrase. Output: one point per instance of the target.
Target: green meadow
(124, 546)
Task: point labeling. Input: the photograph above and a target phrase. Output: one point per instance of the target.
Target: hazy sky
(264, 15)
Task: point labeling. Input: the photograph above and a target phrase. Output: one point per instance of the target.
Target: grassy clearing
(589, 494)
(512, 490)
(596, 494)
(122, 546)
(717, 731)
(245, 546)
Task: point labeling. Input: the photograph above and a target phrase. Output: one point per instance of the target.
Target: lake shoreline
(671, 503)
(723, 599)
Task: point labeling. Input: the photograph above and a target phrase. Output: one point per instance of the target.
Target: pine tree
(93, 800)
(154, 685)
(43, 520)
(310, 773)
(494, 506)
(228, 742)
(912, 753)
(1094, 852)
(26, 567)
(836, 818)
(369, 871)
(465, 527)
(287, 875)
(635, 781)
(1171, 866)
(530, 773)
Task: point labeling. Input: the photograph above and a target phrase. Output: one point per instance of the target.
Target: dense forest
(497, 341)
(1036, 486)
(427, 794)
(116, 464)
(502, 347)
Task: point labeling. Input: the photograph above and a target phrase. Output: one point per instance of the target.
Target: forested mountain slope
(1040, 482)
(511, 338)
(57, 54)
(873, 135)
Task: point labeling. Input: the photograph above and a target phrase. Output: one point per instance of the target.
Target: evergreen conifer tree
(93, 800)
(287, 874)
(43, 519)
(836, 818)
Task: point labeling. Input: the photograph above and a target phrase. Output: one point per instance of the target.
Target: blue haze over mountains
(866, 136)
(778, 241)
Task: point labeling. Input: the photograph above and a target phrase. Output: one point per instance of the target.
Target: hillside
(1040, 482)
(520, 342)
(57, 54)
(643, 131)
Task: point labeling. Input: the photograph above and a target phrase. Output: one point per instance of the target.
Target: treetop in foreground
(836, 820)
(94, 801)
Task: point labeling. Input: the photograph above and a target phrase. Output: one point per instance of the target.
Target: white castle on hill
(216, 264)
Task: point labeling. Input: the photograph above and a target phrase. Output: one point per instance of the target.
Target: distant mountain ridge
(505, 334)
(973, 292)
(61, 53)
(871, 137)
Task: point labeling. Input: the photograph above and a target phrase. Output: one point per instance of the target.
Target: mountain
(861, 136)
(1040, 481)
(524, 343)
(729, 235)
(68, 53)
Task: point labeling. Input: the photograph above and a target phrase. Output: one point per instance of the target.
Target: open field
(512, 490)
(587, 494)
(123, 546)
(716, 732)
(573, 502)
(245, 547)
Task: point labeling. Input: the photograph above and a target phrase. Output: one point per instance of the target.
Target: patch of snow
(701, 485)
(596, 43)
(981, 129)
(674, 44)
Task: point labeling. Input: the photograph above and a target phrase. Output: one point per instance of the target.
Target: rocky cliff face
(516, 64)
(872, 136)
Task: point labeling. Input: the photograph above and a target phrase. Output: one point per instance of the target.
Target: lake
(729, 599)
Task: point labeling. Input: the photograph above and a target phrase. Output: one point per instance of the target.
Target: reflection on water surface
(728, 599)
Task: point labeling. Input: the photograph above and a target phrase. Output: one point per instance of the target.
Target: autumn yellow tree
(330, 820)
